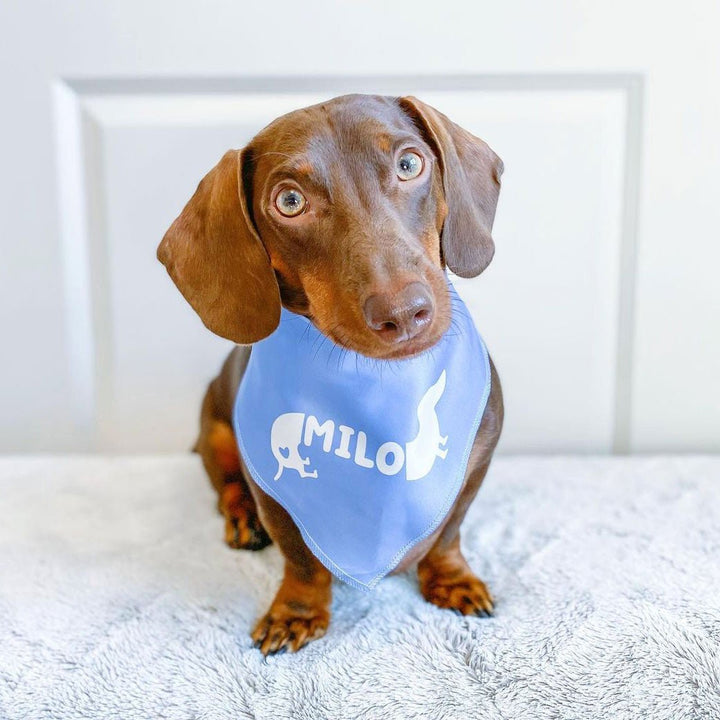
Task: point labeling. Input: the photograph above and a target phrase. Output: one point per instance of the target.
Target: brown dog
(346, 212)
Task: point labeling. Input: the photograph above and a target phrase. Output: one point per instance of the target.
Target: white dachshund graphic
(428, 444)
(418, 455)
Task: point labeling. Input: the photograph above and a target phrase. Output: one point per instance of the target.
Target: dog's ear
(215, 257)
(471, 179)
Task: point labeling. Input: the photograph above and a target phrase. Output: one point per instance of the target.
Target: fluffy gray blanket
(118, 599)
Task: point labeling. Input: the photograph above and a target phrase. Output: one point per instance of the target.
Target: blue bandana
(367, 456)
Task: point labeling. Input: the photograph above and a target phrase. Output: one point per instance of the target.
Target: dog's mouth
(403, 350)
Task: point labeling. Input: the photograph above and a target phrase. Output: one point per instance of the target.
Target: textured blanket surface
(118, 599)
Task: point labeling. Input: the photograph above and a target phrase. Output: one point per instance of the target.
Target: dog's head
(346, 212)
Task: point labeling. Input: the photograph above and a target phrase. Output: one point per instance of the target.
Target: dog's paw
(244, 531)
(284, 629)
(465, 594)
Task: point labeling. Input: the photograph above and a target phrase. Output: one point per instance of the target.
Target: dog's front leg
(300, 611)
(446, 579)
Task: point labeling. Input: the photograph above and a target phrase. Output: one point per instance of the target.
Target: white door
(600, 309)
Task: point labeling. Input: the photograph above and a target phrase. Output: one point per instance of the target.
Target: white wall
(601, 308)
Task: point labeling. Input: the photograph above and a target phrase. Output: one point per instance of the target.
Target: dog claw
(464, 595)
(280, 631)
(480, 612)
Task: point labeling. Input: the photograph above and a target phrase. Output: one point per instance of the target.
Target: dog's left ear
(471, 179)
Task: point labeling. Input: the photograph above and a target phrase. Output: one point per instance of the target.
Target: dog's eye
(409, 165)
(290, 202)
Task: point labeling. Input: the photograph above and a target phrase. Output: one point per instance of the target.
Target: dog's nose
(400, 315)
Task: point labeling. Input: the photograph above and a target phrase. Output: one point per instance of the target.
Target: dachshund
(346, 216)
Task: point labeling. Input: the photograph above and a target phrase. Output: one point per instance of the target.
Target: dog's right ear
(214, 255)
